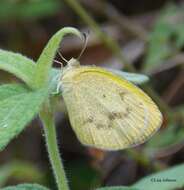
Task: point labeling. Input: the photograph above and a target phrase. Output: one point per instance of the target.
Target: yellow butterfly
(106, 111)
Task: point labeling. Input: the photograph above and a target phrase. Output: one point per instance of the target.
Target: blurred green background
(124, 34)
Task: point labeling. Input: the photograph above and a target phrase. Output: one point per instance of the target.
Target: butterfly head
(73, 63)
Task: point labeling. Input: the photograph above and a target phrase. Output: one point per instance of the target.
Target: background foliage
(143, 36)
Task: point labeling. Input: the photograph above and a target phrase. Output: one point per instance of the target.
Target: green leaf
(19, 171)
(16, 111)
(18, 65)
(117, 188)
(170, 179)
(26, 187)
(167, 37)
(8, 90)
(24, 10)
(88, 176)
(45, 60)
(132, 77)
(173, 135)
(53, 81)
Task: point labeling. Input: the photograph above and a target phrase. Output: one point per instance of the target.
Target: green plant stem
(47, 118)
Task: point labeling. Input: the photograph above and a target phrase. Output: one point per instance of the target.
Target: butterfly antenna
(56, 61)
(85, 35)
(61, 56)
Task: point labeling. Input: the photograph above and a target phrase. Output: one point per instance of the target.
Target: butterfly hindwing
(106, 111)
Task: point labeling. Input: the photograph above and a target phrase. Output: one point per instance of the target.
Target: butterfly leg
(58, 89)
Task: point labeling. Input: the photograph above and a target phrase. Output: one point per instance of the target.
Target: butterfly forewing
(106, 111)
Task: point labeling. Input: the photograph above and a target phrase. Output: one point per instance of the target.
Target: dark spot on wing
(115, 115)
(141, 104)
(100, 126)
(111, 116)
(103, 126)
(127, 112)
(122, 95)
(104, 96)
(128, 109)
(88, 120)
(119, 115)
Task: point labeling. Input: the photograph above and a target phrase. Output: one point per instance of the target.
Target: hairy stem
(47, 118)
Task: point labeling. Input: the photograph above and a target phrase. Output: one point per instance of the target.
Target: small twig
(168, 151)
(177, 60)
(172, 91)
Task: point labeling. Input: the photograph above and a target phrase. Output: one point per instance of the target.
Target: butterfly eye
(104, 96)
